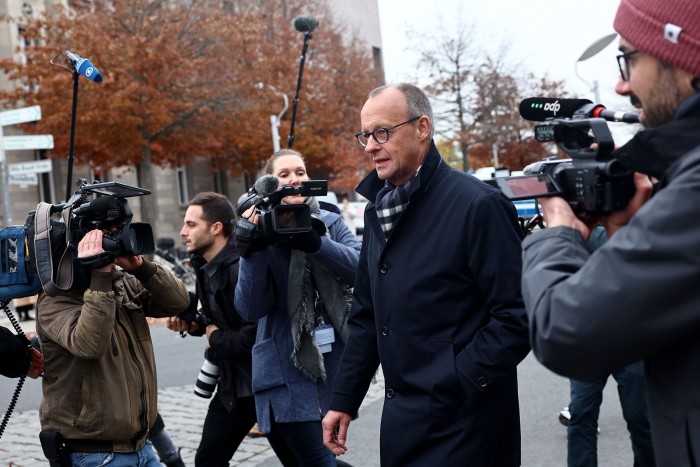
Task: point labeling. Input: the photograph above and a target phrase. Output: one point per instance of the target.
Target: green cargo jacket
(100, 387)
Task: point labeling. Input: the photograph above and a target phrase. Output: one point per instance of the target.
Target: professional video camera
(43, 249)
(592, 180)
(110, 211)
(278, 222)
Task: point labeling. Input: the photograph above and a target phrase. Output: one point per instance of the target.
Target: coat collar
(371, 184)
(430, 173)
(654, 150)
(227, 255)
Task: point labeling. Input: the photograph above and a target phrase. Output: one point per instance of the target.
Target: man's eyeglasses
(380, 135)
(624, 64)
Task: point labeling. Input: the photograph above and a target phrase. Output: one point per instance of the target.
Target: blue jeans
(305, 439)
(584, 407)
(145, 457)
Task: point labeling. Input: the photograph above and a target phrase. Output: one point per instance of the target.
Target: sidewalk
(183, 413)
(20, 447)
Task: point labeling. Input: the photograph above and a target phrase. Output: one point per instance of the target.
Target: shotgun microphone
(539, 109)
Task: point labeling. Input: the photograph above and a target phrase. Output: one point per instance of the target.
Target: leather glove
(247, 238)
(318, 225)
(309, 242)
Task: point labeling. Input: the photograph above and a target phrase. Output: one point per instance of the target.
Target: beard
(665, 99)
(200, 245)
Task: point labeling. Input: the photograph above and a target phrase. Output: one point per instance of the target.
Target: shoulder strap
(42, 251)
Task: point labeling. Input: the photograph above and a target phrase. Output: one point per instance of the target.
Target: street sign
(23, 115)
(24, 179)
(19, 143)
(31, 167)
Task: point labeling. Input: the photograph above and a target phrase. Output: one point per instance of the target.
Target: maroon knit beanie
(665, 29)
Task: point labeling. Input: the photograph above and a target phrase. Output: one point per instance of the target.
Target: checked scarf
(391, 201)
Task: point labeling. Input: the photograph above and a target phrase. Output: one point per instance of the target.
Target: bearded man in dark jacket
(636, 297)
(207, 233)
(437, 301)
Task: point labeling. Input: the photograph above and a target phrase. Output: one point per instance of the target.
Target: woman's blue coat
(261, 294)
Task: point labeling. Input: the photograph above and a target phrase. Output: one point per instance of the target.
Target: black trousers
(223, 432)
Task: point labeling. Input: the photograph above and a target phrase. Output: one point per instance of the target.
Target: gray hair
(416, 100)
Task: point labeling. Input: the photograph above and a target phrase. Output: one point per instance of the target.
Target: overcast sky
(546, 36)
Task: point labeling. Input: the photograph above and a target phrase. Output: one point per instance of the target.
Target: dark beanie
(668, 30)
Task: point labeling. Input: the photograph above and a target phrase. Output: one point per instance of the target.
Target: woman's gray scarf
(304, 273)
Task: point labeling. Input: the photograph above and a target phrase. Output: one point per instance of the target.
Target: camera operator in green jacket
(100, 387)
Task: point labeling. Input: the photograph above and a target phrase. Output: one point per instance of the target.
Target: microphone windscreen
(305, 23)
(539, 109)
(87, 69)
(266, 185)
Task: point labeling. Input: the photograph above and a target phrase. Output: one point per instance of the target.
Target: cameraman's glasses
(624, 64)
(380, 135)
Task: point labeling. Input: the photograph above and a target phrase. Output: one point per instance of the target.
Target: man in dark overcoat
(437, 301)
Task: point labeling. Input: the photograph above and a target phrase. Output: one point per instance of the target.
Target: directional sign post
(23, 115)
(20, 172)
(31, 167)
(20, 143)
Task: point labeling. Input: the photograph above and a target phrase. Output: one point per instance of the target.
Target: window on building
(377, 57)
(183, 194)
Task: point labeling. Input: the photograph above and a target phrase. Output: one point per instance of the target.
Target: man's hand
(615, 221)
(36, 367)
(180, 325)
(211, 328)
(129, 263)
(91, 245)
(558, 213)
(335, 431)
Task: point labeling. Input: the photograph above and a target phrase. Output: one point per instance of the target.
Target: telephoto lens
(208, 377)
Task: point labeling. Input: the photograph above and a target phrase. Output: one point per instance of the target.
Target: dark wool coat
(439, 305)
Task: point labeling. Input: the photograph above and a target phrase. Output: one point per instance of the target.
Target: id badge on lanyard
(324, 333)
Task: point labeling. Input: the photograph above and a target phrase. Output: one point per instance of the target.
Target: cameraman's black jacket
(216, 283)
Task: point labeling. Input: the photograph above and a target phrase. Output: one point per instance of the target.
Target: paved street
(542, 394)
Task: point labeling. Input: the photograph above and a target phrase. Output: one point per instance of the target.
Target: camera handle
(528, 225)
(97, 261)
(20, 383)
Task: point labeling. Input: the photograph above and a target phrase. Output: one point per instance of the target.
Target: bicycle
(176, 260)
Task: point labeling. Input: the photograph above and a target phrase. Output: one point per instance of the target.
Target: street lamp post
(592, 50)
(275, 119)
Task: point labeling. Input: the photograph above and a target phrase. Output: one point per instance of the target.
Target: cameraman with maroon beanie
(637, 296)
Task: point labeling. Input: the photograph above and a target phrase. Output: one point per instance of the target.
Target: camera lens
(207, 379)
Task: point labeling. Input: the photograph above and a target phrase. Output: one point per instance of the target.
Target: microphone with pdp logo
(84, 67)
(539, 109)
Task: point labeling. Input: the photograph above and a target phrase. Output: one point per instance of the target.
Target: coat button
(483, 382)
(385, 331)
(389, 393)
(383, 268)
